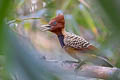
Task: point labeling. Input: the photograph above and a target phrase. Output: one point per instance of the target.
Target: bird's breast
(79, 55)
(72, 52)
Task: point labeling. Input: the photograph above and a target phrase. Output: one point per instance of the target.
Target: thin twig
(84, 3)
(20, 20)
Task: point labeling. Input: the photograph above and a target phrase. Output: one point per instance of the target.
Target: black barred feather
(75, 41)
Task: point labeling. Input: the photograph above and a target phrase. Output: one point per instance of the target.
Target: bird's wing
(78, 42)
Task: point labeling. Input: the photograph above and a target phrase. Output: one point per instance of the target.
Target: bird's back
(76, 46)
(77, 42)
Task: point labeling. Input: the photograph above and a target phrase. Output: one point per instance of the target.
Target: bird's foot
(79, 65)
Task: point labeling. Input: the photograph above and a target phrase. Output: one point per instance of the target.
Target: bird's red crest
(59, 18)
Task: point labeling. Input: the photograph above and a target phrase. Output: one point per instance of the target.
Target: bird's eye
(54, 23)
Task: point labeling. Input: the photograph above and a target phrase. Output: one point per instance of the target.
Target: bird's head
(55, 25)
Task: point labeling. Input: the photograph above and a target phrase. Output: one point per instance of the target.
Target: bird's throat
(61, 39)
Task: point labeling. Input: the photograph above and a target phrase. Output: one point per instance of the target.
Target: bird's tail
(102, 61)
(106, 62)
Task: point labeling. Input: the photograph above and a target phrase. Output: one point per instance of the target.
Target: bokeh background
(22, 43)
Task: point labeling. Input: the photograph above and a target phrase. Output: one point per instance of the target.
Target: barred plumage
(75, 41)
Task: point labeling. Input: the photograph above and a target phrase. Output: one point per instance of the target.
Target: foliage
(96, 20)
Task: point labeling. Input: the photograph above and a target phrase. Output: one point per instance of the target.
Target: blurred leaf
(89, 20)
(27, 25)
(112, 10)
(4, 10)
(71, 24)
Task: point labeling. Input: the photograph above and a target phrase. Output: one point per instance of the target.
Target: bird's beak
(46, 27)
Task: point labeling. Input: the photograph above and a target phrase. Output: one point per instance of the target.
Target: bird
(76, 46)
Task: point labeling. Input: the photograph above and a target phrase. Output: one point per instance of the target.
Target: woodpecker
(76, 46)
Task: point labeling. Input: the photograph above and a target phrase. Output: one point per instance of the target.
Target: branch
(97, 71)
(90, 70)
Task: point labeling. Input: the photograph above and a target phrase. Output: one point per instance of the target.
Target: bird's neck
(61, 37)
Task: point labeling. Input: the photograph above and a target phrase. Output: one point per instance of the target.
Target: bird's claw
(79, 65)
